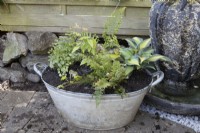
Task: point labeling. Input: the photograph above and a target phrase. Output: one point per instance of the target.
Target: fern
(111, 28)
(113, 22)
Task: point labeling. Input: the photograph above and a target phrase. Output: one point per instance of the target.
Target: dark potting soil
(137, 81)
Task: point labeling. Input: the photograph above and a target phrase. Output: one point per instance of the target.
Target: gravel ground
(189, 121)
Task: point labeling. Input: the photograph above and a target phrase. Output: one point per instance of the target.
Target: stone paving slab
(2, 94)
(17, 98)
(34, 112)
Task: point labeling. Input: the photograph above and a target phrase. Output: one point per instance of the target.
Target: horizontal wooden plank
(134, 3)
(124, 32)
(34, 9)
(90, 10)
(69, 20)
(137, 12)
(4, 9)
(60, 15)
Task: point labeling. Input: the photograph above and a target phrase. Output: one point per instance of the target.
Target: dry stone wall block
(12, 75)
(40, 42)
(15, 46)
(30, 60)
(33, 78)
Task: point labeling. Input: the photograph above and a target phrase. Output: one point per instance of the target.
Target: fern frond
(114, 21)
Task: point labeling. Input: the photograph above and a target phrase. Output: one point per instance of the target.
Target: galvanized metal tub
(80, 109)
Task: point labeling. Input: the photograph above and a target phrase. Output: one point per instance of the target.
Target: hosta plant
(140, 55)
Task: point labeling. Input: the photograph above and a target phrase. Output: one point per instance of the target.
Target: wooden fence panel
(60, 16)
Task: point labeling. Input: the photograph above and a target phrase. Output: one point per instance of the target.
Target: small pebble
(196, 118)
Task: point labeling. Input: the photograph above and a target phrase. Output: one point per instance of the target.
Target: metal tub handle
(159, 75)
(39, 68)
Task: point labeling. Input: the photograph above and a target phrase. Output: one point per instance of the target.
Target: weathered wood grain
(60, 15)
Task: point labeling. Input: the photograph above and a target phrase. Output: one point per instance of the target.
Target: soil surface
(137, 81)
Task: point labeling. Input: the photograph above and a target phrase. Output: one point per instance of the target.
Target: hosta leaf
(131, 44)
(134, 61)
(146, 52)
(151, 67)
(143, 58)
(144, 44)
(126, 53)
(157, 57)
(137, 40)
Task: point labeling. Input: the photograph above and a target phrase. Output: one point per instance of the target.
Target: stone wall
(20, 51)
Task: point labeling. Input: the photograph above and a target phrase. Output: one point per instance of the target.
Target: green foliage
(140, 54)
(111, 28)
(113, 22)
(61, 55)
(87, 43)
(107, 72)
(103, 59)
(109, 63)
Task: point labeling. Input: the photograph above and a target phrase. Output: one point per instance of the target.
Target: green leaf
(142, 59)
(137, 40)
(150, 67)
(114, 56)
(114, 21)
(102, 84)
(77, 78)
(63, 78)
(75, 49)
(128, 70)
(98, 94)
(60, 87)
(131, 44)
(144, 44)
(134, 61)
(90, 42)
(157, 57)
(84, 61)
(147, 52)
(120, 90)
(84, 38)
(125, 53)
